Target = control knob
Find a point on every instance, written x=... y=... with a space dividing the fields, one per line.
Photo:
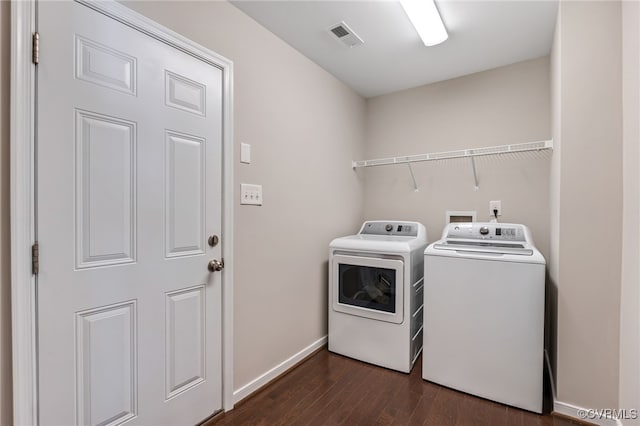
x=484 y=230
x=389 y=228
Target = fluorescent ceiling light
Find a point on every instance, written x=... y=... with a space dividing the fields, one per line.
x=425 y=18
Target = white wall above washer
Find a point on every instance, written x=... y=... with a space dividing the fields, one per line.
x=482 y=35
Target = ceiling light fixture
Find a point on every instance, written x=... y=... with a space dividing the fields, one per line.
x=424 y=16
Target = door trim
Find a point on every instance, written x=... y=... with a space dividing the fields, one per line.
x=23 y=232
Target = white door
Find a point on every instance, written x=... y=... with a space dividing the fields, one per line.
x=129 y=134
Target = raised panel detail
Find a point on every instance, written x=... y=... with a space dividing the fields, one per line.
x=105 y=190
x=185 y=342
x=105 y=66
x=185 y=194
x=106 y=388
x=185 y=94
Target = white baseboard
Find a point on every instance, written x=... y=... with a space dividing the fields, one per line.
x=570 y=410
x=260 y=381
x=575 y=412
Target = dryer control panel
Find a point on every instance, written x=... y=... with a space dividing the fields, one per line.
x=485 y=231
x=404 y=229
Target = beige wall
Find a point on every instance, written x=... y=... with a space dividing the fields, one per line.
x=304 y=127
x=588 y=261
x=5 y=274
x=501 y=106
x=630 y=291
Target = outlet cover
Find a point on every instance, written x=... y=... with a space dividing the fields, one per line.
x=495 y=205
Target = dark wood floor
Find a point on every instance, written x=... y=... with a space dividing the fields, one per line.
x=329 y=389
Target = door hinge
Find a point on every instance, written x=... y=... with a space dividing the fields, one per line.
x=35 y=48
x=35 y=258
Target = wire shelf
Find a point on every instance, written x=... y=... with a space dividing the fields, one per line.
x=461 y=153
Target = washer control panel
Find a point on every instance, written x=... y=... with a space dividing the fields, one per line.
x=485 y=231
x=405 y=229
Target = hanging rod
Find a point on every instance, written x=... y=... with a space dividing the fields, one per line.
x=462 y=153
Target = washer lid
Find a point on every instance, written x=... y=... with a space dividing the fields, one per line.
x=518 y=248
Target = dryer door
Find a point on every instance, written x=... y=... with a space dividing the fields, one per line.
x=368 y=287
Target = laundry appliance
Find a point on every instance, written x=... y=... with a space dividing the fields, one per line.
x=375 y=293
x=484 y=313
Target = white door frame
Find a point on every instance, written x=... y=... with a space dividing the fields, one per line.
x=23 y=231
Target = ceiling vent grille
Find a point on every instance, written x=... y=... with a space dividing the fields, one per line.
x=345 y=34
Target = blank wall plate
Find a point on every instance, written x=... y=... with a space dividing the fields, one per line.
x=245 y=153
x=250 y=194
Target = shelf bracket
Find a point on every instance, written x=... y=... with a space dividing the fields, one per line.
x=415 y=185
x=475 y=173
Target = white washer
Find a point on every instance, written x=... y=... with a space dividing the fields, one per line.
x=375 y=293
x=484 y=313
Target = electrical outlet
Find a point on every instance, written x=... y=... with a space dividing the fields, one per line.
x=495 y=205
x=250 y=194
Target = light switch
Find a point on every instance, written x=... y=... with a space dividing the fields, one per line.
x=245 y=153
x=250 y=194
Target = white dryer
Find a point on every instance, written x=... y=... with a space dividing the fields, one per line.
x=484 y=313
x=375 y=293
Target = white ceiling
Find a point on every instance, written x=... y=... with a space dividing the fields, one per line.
x=482 y=35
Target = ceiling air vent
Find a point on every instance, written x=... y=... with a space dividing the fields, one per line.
x=345 y=34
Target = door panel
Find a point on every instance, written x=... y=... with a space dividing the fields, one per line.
x=128 y=189
x=102 y=65
x=185 y=190
x=185 y=94
x=106 y=365
x=185 y=356
x=105 y=190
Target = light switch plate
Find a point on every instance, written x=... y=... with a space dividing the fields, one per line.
x=250 y=194
x=245 y=153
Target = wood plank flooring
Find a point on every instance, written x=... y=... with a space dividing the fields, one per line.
x=329 y=389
